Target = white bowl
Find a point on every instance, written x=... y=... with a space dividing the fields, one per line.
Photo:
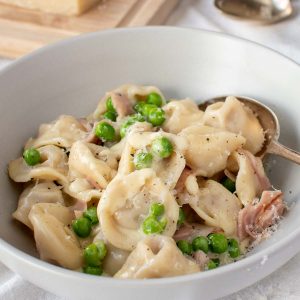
x=69 y=77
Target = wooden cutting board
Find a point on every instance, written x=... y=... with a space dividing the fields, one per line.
x=23 y=30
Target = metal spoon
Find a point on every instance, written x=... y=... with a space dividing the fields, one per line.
x=270 y=125
x=262 y=10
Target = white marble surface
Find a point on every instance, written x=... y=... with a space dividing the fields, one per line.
x=284 y=37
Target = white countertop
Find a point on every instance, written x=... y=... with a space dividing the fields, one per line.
x=283 y=37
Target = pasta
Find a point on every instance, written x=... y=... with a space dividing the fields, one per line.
x=155 y=257
x=125 y=204
x=146 y=188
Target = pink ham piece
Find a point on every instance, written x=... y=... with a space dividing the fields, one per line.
x=180 y=185
x=201 y=259
x=255 y=218
x=189 y=231
x=258 y=169
x=78 y=208
x=122 y=104
x=92 y=138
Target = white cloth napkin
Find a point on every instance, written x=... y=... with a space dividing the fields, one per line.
x=284 y=284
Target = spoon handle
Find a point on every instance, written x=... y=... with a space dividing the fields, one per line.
x=278 y=149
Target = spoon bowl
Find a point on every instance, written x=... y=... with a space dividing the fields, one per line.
x=261 y=10
x=269 y=123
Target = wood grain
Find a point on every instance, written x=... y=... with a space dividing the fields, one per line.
x=23 y=30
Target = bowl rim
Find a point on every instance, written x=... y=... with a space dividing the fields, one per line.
x=244 y=263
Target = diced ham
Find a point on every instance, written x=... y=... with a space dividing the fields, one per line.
x=200 y=258
x=255 y=218
x=78 y=208
x=92 y=138
x=182 y=179
x=189 y=231
x=258 y=169
x=122 y=104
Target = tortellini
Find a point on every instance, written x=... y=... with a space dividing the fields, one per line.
x=251 y=180
x=169 y=169
x=95 y=163
x=234 y=116
x=82 y=190
x=115 y=258
x=62 y=133
x=181 y=114
x=129 y=198
x=54 y=166
x=124 y=98
x=215 y=205
x=44 y=192
x=55 y=241
x=126 y=202
x=118 y=148
x=209 y=148
x=156 y=257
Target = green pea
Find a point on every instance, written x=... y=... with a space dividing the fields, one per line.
x=109 y=105
x=218 y=243
x=156 y=116
x=157 y=209
x=154 y=98
x=91 y=214
x=32 y=156
x=143 y=160
x=125 y=126
x=137 y=117
x=102 y=249
x=181 y=217
x=233 y=248
x=185 y=247
x=151 y=225
x=200 y=243
x=163 y=223
x=110 y=115
x=139 y=106
x=229 y=184
x=216 y=261
x=211 y=265
x=105 y=132
x=162 y=147
x=82 y=227
x=147 y=108
x=95 y=253
x=93 y=270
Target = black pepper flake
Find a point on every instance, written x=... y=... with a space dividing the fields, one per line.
x=290 y=192
x=207 y=139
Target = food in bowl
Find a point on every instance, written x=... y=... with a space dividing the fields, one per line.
x=147 y=188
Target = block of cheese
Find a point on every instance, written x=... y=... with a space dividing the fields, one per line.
x=63 y=7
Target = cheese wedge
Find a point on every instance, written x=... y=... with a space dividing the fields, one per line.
x=63 y=7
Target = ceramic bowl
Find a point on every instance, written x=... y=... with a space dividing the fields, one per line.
x=69 y=77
